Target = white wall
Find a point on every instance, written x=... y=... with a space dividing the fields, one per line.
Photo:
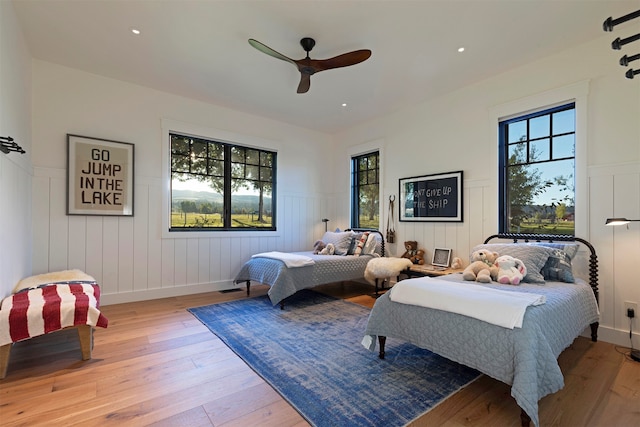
x=15 y=168
x=458 y=132
x=128 y=256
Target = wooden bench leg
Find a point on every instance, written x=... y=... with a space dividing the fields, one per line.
x=5 y=351
x=85 y=333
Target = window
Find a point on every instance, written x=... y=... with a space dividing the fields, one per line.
x=365 y=185
x=537 y=172
x=220 y=186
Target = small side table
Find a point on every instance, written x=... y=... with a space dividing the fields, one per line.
x=429 y=270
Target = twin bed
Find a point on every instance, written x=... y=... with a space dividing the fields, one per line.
x=523 y=356
x=285 y=281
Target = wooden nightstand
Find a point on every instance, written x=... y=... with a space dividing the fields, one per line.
x=429 y=270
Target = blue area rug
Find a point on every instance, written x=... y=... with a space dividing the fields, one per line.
x=310 y=353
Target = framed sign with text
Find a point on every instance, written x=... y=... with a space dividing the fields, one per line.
x=99 y=176
x=435 y=198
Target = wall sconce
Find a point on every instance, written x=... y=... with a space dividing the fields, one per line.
x=325 y=220
x=620 y=221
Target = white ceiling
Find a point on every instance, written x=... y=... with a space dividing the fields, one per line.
x=199 y=49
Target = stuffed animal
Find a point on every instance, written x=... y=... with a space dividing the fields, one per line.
x=411 y=247
x=456 y=263
x=418 y=257
x=318 y=246
x=330 y=249
x=511 y=270
x=482 y=268
x=412 y=253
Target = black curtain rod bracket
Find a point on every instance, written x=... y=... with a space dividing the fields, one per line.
x=7 y=144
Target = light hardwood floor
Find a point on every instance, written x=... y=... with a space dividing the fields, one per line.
x=157 y=365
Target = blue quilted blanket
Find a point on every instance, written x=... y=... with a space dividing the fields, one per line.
x=285 y=281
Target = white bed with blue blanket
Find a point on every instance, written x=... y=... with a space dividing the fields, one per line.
x=306 y=269
x=562 y=308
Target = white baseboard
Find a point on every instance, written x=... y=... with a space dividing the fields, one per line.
x=149 y=294
x=617 y=337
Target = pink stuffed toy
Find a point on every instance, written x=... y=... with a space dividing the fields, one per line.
x=511 y=270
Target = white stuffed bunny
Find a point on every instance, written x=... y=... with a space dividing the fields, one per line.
x=511 y=270
x=328 y=250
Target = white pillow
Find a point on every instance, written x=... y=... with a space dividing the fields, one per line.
x=341 y=241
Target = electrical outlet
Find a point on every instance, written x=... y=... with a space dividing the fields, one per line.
x=631 y=305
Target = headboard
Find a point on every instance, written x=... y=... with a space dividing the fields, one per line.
x=593 y=258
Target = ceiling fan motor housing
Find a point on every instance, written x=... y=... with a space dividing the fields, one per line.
x=307 y=44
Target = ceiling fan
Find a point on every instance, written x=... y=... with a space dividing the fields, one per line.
x=308 y=66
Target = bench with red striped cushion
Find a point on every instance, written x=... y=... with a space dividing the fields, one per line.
x=48 y=308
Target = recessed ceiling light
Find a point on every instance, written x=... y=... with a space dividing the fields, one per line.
x=344 y=104
x=135 y=31
x=460 y=49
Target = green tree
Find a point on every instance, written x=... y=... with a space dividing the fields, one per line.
x=253 y=169
x=206 y=208
x=202 y=160
x=192 y=158
x=561 y=210
x=188 y=206
x=368 y=187
x=525 y=183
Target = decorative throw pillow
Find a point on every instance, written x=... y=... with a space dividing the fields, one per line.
x=352 y=245
x=534 y=257
x=361 y=243
x=370 y=245
x=570 y=249
x=558 y=267
x=341 y=241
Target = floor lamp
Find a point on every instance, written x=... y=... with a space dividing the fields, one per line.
x=635 y=354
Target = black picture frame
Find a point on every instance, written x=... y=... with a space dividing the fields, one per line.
x=431 y=198
x=100 y=176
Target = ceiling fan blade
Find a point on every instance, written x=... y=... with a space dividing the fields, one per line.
x=343 y=60
x=305 y=83
x=266 y=49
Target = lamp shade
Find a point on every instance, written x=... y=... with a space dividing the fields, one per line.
x=619 y=221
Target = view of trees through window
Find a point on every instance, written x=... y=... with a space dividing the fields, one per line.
x=537 y=181
x=217 y=185
x=365 y=185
